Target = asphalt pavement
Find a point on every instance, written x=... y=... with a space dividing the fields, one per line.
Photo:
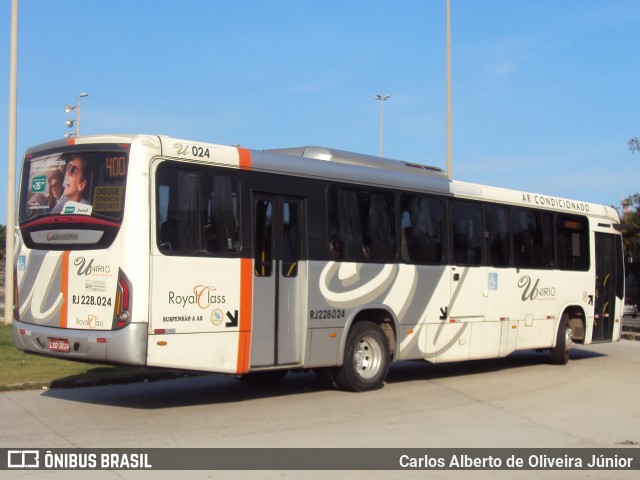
x=517 y=402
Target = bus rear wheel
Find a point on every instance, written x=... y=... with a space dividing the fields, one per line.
x=366 y=359
x=560 y=353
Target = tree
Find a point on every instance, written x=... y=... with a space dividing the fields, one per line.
x=631 y=239
x=3 y=241
x=631 y=234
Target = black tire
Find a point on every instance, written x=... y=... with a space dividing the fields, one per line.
x=366 y=359
x=560 y=353
x=270 y=377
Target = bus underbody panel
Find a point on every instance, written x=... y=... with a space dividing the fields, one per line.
x=127 y=346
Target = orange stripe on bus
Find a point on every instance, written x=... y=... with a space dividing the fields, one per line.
x=246 y=307
x=64 y=285
x=245 y=158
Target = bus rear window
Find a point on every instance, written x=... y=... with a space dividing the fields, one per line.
x=74 y=183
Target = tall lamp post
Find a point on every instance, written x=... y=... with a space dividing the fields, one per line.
x=11 y=166
x=382 y=99
x=74 y=108
x=449 y=173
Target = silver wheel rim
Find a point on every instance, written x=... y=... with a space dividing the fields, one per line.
x=567 y=341
x=367 y=358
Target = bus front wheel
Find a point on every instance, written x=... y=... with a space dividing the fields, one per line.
x=366 y=359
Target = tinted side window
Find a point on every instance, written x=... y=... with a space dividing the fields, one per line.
x=498 y=241
x=196 y=211
x=532 y=239
x=263 y=241
x=361 y=225
x=421 y=229
x=573 y=242
x=466 y=234
x=290 y=240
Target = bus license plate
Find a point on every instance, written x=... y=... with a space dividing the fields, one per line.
x=59 y=345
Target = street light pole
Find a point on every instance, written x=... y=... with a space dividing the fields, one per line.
x=84 y=94
x=11 y=167
x=382 y=98
x=449 y=89
x=74 y=108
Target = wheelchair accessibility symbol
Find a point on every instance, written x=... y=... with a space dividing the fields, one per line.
x=493 y=281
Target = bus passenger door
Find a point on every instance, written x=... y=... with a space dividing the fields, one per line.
x=277 y=332
x=466 y=310
x=608 y=279
x=468 y=275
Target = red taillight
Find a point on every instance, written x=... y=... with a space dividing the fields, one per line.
x=122 y=315
x=125 y=294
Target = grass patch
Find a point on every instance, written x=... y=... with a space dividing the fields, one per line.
x=21 y=371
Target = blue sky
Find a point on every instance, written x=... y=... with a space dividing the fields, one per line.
x=546 y=93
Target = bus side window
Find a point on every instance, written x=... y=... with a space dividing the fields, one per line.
x=572 y=233
x=498 y=244
x=290 y=250
x=221 y=215
x=197 y=211
x=263 y=238
x=532 y=239
x=168 y=236
x=421 y=228
x=523 y=229
x=361 y=225
x=466 y=234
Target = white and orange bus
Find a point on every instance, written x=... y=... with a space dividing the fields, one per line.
x=155 y=251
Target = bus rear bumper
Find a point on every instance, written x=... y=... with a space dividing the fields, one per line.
x=126 y=347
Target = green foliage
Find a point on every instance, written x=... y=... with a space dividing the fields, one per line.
x=3 y=236
x=631 y=225
x=21 y=371
x=631 y=238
